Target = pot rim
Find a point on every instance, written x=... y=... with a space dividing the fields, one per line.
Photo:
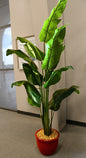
x=43 y=140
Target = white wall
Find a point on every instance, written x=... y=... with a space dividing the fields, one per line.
x=75 y=52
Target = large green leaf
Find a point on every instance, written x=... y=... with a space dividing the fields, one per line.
x=50 y=24
x=54 y=49
x=34 y=97
x=32 y=76
x=22 y=40
x=33 y=93
x=31 y=49
x=32 y=102
x=18 y=83
x=56 y=76
x=52 y=57
x=59 y=95
x=59 y=35
x=22 y=55
x=48 y=30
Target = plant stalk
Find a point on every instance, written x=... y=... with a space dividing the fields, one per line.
x=45 y=108
x=46 y=117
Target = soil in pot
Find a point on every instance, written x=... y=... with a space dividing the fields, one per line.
x=47 y=145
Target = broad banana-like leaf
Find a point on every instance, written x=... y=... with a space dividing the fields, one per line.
x=22 y=40
x=34 y=97
x=59 y=95
x=45 y=35
x=50 y=24
x=52 y=57
x=22 y=55
x=59 y=35
x=33 y=93
x=18 y=83
x=33 y=77
x=54 y=49
x=32 y=102
x=31 y=49
x=56 y=76
x=47 y=75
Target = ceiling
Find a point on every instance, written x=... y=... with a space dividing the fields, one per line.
x=3 y=3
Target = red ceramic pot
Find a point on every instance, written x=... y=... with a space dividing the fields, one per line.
x=47 y=147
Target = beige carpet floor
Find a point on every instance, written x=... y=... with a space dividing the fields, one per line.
x=17 y=138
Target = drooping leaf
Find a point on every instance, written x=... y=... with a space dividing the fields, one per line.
x=50 y=24
x=32 y=102
x=59 y=95
x=18 y=83
x=33 y=93
x=22 y=55
x=19 y=53
x=33 y=77
x=56 y=76
x=22 y=40
x=34 y=97
x=31 y=49
x=54 y=49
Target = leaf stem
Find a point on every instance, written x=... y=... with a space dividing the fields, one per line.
x=46 y=107
x=52 y=114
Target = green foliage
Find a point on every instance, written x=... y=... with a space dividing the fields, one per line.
x=34 y=97
x=33 y=77
x=56 y=76
x=54 y=49
x=34 y=94
x=50 y=24
x=31 y=49
x=52 y=37
x=59 y=95
x=22 y=55
x=18 y=83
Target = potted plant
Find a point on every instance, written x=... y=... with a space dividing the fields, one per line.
x=52 y=38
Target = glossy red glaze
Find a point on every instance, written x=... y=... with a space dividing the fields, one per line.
x=47 y=147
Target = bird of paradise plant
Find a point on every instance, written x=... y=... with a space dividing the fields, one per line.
x=52 y=37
